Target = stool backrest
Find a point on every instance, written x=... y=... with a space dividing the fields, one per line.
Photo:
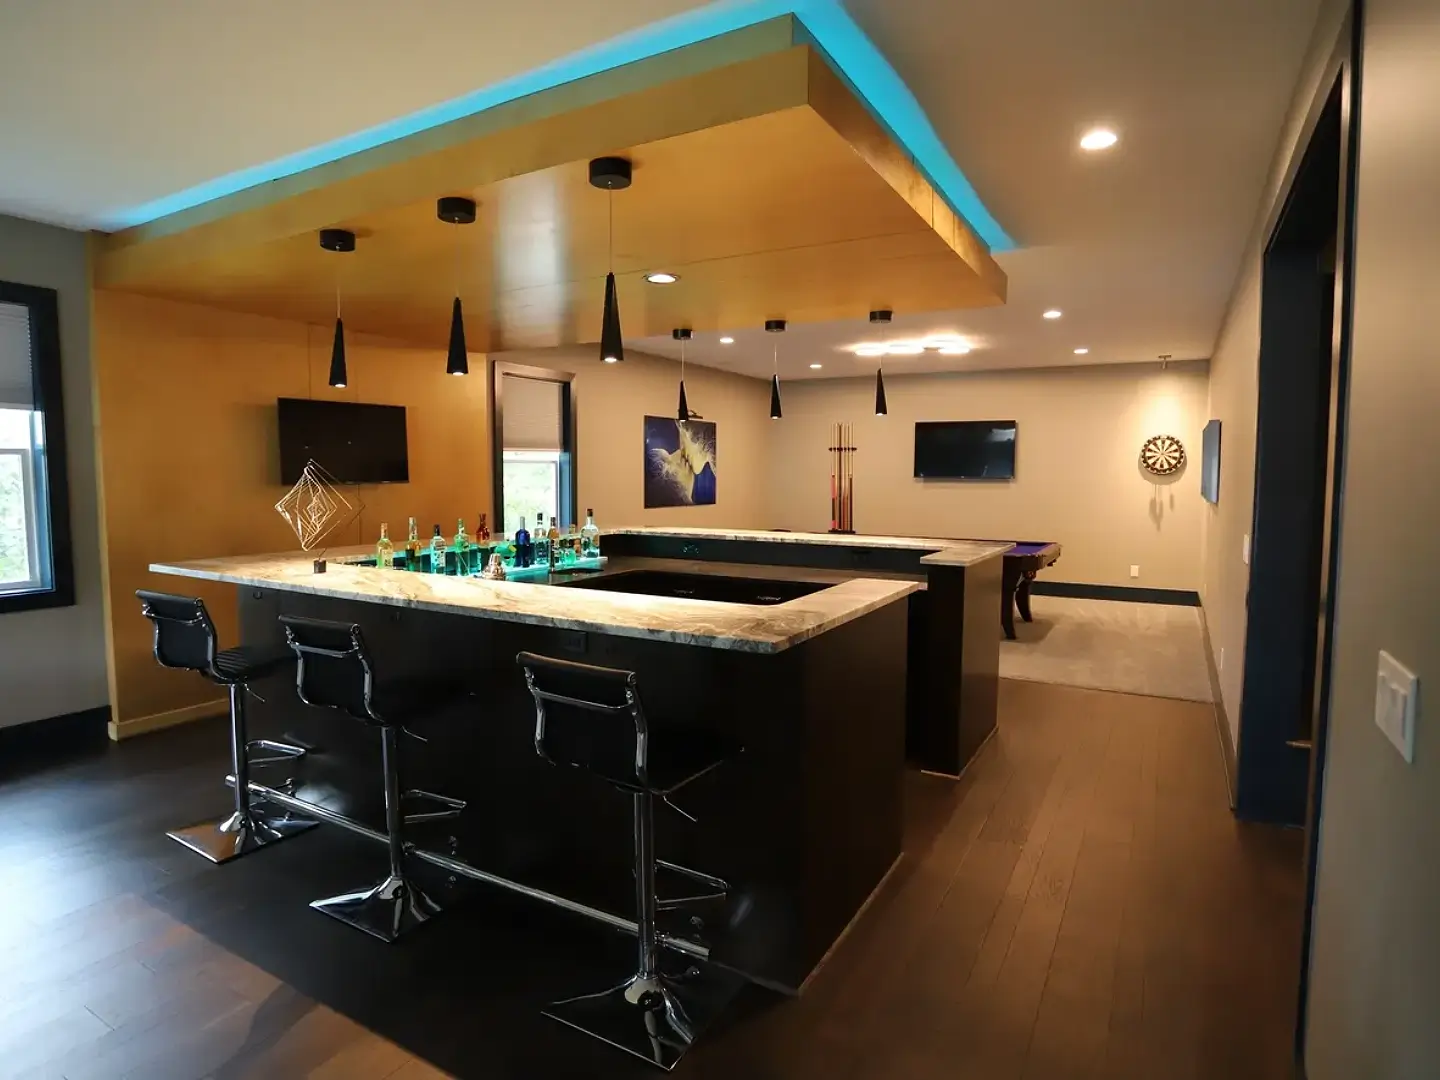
x=184 y=634
x=586 y=715
x=334 y=670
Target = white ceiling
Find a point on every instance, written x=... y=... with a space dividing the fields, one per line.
x=106 y=107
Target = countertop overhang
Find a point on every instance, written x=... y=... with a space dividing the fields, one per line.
x=742 y=627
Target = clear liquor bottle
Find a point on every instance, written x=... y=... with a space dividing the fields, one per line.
x=462 y=549
x=590 y=537
x=412 y=547
x=542 y=541
x=385 y=550
x=437 y=552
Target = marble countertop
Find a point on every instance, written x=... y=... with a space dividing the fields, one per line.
x=942 y=552
x=744 y=627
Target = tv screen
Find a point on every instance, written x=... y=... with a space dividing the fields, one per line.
x=356 y=444
x=1210 y=463
x=965 y=450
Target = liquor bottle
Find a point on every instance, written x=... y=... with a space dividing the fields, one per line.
x=541 y=539
x=523 y=552
x=437 y=552
x=385 y=550
x=590 y=537
x=412 y=547
x=462 y=549
x=482 y=531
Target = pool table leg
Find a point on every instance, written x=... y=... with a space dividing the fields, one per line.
x=1009 y=584
x=1022 y=596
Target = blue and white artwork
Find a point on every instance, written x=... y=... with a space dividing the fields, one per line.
x=679 y=462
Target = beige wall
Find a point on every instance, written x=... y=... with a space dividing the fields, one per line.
x=1225 y=579
x=613 y=399
x=1375 y=960
x=1078 y=479
x=190 y=463
x=52 y=662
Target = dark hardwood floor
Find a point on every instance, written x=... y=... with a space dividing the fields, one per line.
x=1081 y=904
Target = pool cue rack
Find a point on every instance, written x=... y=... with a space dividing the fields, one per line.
x=842 y=479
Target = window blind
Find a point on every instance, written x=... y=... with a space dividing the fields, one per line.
x=17 y=383
x=531 y=414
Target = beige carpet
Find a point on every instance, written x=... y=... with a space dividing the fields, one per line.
x=1153 y=649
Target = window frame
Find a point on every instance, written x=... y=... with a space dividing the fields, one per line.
x=568 y=487
x=47 y=480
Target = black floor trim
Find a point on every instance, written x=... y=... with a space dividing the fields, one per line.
x=1134 y=594
x=71 y=733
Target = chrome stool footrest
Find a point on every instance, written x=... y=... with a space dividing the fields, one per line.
x=452 y=807
x=277 y=751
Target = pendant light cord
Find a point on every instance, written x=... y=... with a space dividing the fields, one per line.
x=610 y=242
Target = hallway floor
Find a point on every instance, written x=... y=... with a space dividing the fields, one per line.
x=1081 y=904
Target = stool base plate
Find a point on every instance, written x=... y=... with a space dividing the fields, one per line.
x=221 y=841
x=386 y=911
x=656 y=1019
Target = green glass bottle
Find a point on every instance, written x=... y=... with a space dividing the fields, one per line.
x=590 y=537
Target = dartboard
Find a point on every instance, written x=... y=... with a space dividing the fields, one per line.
x=1162 y=455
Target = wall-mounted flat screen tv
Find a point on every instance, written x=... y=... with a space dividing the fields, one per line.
x=1210 y=462
x=354 y=443
x=965 y=450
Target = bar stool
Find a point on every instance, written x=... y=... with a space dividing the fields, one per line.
x=185 y=639
x=591 y=718
x=335 y=671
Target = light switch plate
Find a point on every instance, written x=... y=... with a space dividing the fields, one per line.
x=1245 y=550
x=1397 y=703
x=1134 y=570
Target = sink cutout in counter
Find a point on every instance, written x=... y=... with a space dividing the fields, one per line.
x=713 y=587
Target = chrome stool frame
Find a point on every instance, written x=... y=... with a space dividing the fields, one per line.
x=328 y=653
x=655 y=1014
x=185 y=639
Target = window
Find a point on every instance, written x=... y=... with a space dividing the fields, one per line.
x=35 y=564
x=534 y=446
x=532 y=484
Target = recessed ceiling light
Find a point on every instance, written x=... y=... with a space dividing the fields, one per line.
x=870 y=350
x=1053 y=313
x=1081 y=352
x=727 y=341
x=816 y=367
x=904 y=348
x=955 y=350
x=1098 y=139
x=660 y=277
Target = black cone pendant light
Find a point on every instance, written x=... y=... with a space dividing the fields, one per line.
x=682 y=335
x=611 y=174
x=880 y=318
x=457 y=210
x=339 y=240
x=775 y=326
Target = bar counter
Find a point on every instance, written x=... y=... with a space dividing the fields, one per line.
x=805 y=824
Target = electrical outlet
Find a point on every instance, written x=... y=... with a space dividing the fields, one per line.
x=1397 y=699
x=1245 y=550
x=1134 y=570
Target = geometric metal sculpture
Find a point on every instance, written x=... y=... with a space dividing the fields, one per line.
x=314 y=507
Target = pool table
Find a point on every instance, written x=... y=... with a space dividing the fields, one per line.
x=1026 y=559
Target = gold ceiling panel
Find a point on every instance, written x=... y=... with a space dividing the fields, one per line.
x=758 y=178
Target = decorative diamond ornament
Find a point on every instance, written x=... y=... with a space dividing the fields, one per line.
x=314 y=507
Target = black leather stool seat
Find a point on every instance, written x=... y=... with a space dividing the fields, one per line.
x=247 y=662
x=677 y=756
x=401 y=701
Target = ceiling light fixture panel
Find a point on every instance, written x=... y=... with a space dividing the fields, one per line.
x=1053 y=313
x=662 y=277
x=1099 y=138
